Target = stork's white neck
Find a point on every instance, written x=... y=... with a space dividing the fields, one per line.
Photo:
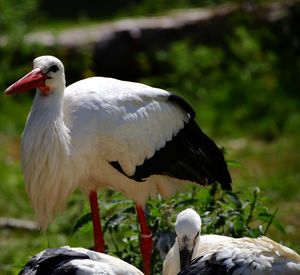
x=46 y=123
x=47 y=106
x=45 y=149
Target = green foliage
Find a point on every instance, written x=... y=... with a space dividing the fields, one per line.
x=237 y=85
x=14 y=15
x=13 y=24
x=247 y=80
x=226 y=213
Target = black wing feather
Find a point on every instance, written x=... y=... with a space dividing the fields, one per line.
x=210 y=266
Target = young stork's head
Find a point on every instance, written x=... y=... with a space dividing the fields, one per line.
x=188 y=228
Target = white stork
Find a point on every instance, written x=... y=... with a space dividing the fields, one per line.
x=103 y=132
x=194 y=254
x=76 y=261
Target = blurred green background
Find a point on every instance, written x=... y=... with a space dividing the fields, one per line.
x=240 y=75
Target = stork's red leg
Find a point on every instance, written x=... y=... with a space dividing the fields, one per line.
x=99 y=245
x=146 y=243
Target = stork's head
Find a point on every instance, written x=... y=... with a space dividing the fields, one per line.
x=188 y=228
x=47 y=76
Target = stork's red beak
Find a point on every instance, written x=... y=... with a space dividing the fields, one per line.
x=33 y=79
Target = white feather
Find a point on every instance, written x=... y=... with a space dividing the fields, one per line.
x=72 y=134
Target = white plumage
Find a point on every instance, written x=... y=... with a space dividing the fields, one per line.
x=216 y=254
x=72 y=134
x=77 y=261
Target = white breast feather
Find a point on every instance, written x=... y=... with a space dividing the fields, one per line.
x=44 y=152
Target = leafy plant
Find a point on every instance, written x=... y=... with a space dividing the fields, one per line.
x=226 y=213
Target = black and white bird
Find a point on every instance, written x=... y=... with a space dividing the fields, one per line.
x=103 y=132
x=194 y=253
x=76 y=261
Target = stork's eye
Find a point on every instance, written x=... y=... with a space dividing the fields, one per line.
x=53 y=68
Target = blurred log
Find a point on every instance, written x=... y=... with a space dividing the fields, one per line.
x=13 y=223
x=138 y=29
x=144 y=29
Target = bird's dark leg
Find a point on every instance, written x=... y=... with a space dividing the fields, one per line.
x=99 y=245
x=146 y=243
